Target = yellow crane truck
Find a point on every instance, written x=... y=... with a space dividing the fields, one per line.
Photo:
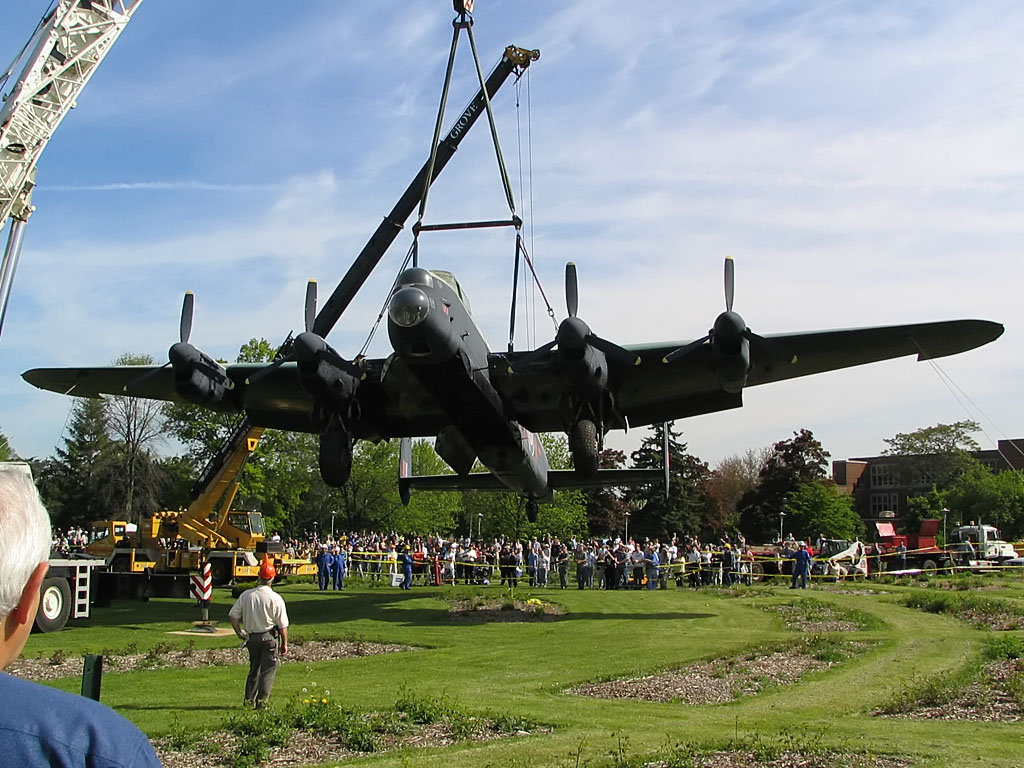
x=209 y=531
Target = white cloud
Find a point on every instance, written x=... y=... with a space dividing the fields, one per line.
x=861 y=162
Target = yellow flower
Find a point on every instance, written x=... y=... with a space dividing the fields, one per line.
x=324 y=701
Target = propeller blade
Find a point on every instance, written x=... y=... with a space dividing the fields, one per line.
x=774 y=350
x=571 y=293
x=185 y=328
x=310 y=304
x=675 y=354
x=730 y=282
x=146 y=376
x=531 y=357
x=614 y=351
x=271 y=367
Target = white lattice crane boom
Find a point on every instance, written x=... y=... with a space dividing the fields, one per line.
x=62 y=54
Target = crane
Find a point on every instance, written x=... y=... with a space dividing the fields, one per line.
x=62 y=54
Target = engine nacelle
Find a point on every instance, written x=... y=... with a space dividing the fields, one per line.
x=200 y=379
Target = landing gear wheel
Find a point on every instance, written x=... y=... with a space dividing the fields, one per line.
x=531 y=511
x=54 y=605
x=583 y=444
x=335 y=457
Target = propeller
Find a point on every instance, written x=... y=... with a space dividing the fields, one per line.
x=184 y=331
x=573 y=334
x=730 y=330
x=307 y=345
x=185 y=327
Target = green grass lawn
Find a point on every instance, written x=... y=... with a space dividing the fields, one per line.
x=522 y=669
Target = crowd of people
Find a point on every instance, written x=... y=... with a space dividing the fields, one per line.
x=592 y=563
x=541 y=561
x=64 y=542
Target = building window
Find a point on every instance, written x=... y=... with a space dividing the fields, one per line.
x=924 y=478
x=882 y=502
x=883 y=475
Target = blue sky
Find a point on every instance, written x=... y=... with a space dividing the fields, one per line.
x=863 y=162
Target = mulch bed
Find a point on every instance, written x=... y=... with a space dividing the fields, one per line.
x=986 y=700
x=749 y=759
x=310 y=748
x=483 y=610
x=824 y=618
x=57 y=666
x=717 y=681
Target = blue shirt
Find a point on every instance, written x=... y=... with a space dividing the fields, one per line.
x=41 y=726
x=803 y=560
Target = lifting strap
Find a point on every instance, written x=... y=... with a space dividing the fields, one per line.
x=463 y=22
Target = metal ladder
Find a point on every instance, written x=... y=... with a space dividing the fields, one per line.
x=80 y=608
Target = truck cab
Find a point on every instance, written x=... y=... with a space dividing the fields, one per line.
x=980 y=542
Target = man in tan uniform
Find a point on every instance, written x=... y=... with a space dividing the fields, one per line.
x=262 y=613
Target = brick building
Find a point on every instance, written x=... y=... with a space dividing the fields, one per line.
x=880 y=493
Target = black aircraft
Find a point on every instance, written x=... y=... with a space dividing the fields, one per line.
x=443 y=381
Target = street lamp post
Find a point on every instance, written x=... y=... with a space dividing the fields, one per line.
x=333 y=513
x=479 y=525
x=782 y=515
x=626 y=537
x=945 y=512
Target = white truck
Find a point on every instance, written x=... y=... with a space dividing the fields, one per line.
x=978 y=545
x=67 y=590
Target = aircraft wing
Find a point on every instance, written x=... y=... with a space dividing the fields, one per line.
x=110 y=380
x=820 y=351
x=275 y=400
x=396 y=405
x=654 y=391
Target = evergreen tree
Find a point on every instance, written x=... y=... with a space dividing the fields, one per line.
x=689 y=507
x=78 y=486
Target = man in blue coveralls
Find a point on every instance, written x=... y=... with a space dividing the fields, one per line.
x=324 y=562
x=405 y=560
x=801 y=565
x=339 y=567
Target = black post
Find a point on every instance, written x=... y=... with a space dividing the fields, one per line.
x=92 y=676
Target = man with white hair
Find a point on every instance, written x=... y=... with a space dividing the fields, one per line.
x=41 y=725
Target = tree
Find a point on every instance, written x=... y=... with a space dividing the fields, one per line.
x=689 y=508
x=801 y=459
x=733 y=477
x=427 y=512
x=818 y=508
x=992 y=499
x=139 y=425
x=6 y=451
x=934 y=455
x=606 y=507
x=78 y=485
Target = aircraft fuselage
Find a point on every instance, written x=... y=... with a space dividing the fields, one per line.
x=432 y=330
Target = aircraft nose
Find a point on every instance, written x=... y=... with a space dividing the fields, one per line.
x=409 y=307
